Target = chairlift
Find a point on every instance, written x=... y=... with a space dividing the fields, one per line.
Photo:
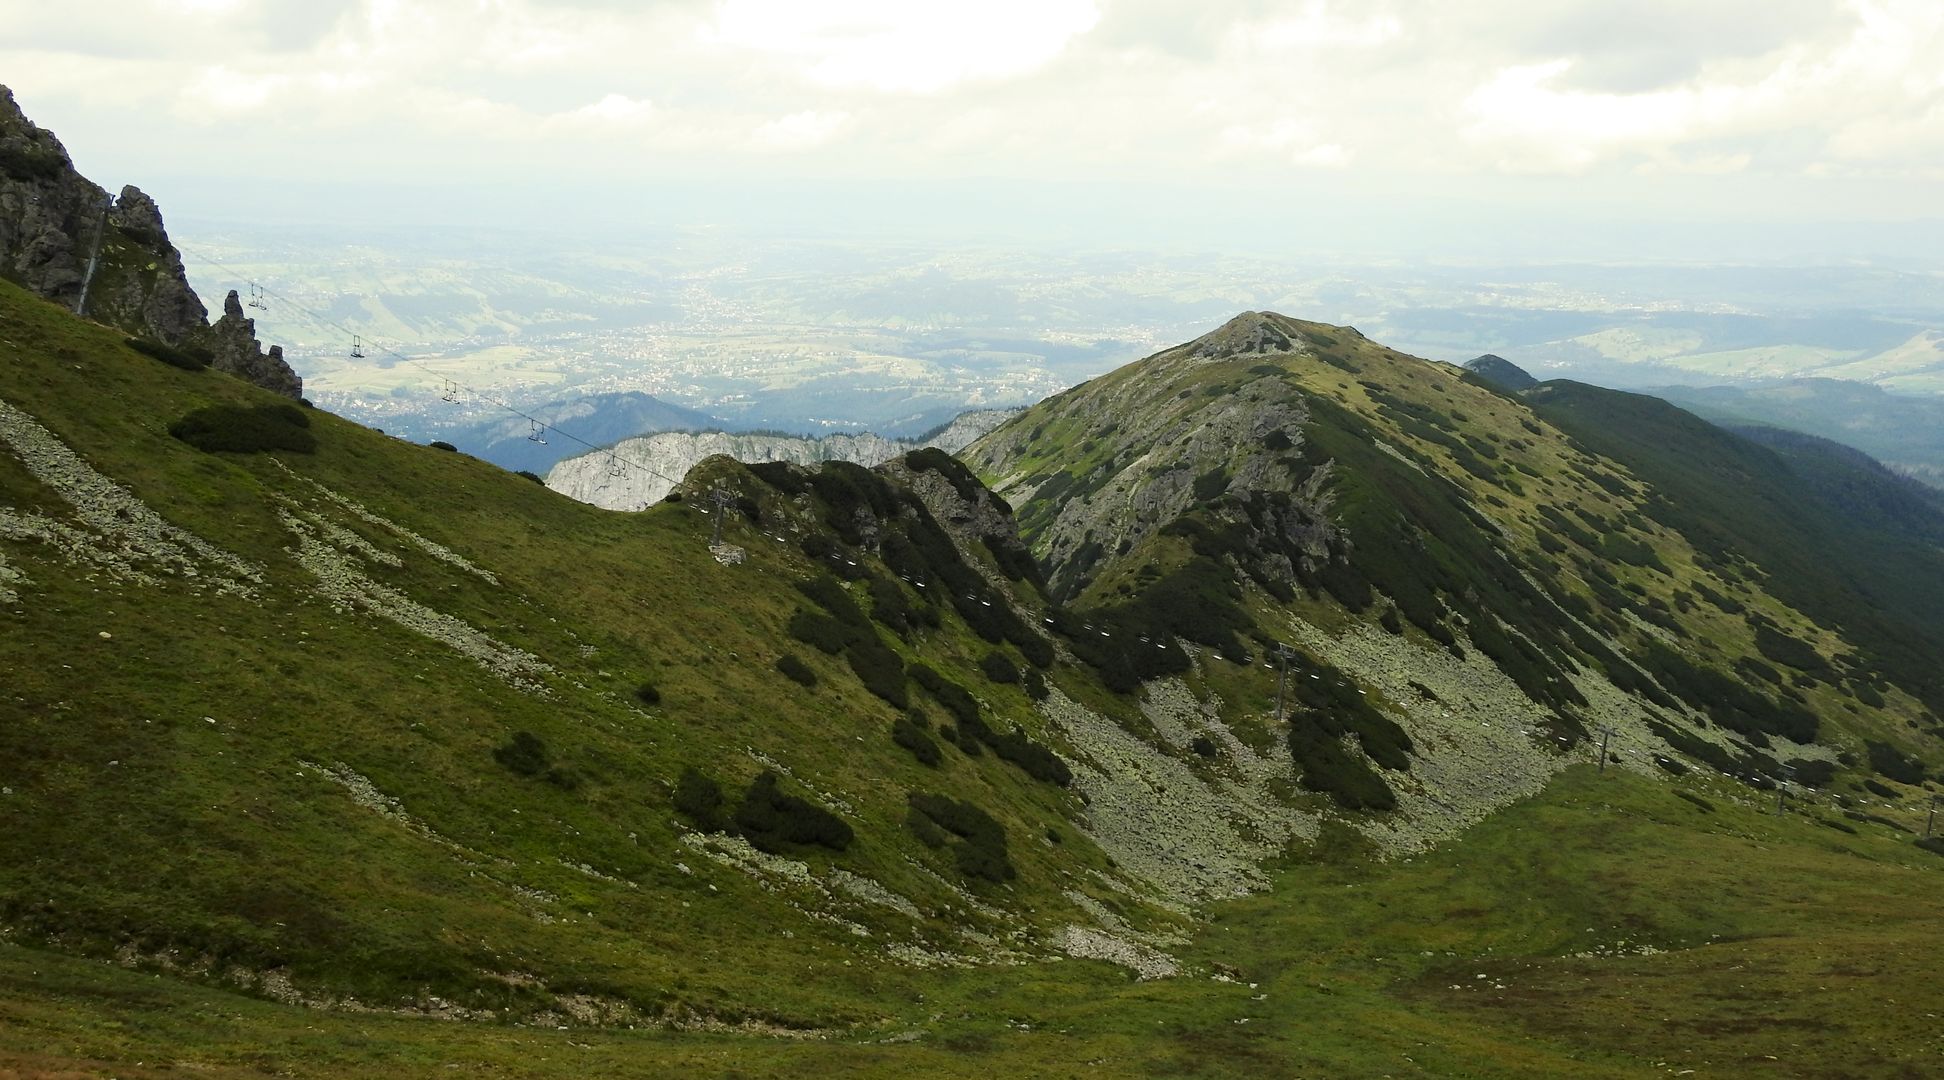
x=615 y=467
x=256 y=297
x=357 y=347
x=539 y=433
x=450 y=391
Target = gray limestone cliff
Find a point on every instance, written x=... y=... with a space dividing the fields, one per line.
x=62 y=237
x=652 y=465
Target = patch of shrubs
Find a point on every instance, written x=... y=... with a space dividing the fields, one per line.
x=825 y=633
x=909 y=731
x=1203 y=746
x=1035 y=684
x=771 y=820
x=441 y=444
x=1813 y=773
x=1784 y=649
x=526 y=755
x=533 y=476
x=648 y=694
x=187 y=357
x=1014 y=747
x=998 y=668
x=1328 y=767
x=881 y=670
x=796 y=670
x=980 y=847
x=246 y=429
x=1890 y=762
x=699 y=799
x=1932 y=844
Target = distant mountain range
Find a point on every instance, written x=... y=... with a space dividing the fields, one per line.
x=598 y=419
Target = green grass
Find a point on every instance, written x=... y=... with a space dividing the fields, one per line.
x=1621 y=931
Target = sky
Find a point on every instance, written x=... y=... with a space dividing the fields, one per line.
x=1733 y=129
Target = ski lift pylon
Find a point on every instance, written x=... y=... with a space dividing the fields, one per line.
x=357 y=347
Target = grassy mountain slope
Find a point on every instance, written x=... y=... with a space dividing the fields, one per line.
x=1623 y=565
x=273 y=729
x=307 y=753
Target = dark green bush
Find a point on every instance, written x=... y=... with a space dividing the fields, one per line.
x=927 y=830
x=1035 y=684
x=770 y=819
x=1813 y=773
x=1328 y=767
x=998 y=668
x=1932 y=844
x=699 y=799
x=246 y=429
x=825 y=633
x=188 y=357
x=980 y=851
x=796 y=670
x=1890 y=762
x=441 y=444
x=648 y=694
x=908 y=733
x=1034 y=759
x=525 y=754
x=1203 y=746
x=881 y=669
x=533 y=476
x=1885 y=790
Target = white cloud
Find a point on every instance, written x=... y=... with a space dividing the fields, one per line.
x=902 y=46
x=799 y=131
x=1413 y=94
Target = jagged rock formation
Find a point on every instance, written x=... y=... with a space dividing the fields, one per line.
x=233 y=341
x=655 y=464
x=63 y=238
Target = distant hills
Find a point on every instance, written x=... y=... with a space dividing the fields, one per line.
x=599 y=419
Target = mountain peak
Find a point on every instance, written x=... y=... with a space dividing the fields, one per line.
x=1249 y=332
x=1501 y=372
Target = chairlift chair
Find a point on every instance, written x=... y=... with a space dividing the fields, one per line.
x=357 y=347
x=539 y=433
x=256 y=297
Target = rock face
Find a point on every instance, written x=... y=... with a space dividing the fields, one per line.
x=233 y=341
x=63 y=238
x=652 y=466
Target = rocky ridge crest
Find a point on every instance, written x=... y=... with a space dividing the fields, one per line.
x=64 y=238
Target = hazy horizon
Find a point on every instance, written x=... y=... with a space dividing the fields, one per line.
x=1807 y=130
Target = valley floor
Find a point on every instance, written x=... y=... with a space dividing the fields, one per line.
x=1614 y=925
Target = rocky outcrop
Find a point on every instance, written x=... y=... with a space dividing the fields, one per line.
x=235 y=349
x=64 y=238
x=648 y=468
x=49 y=214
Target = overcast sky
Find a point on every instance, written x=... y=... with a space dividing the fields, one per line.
x=1758 y=126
